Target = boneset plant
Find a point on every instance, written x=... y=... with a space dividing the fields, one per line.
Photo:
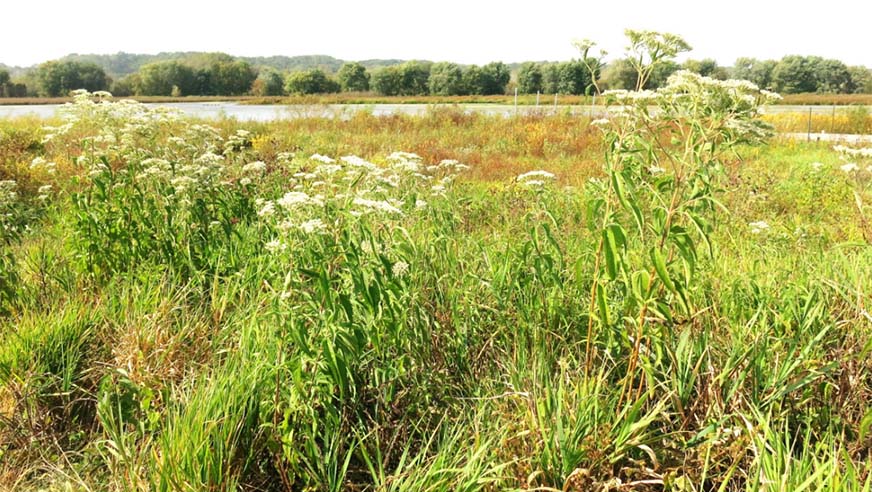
x=653 y=211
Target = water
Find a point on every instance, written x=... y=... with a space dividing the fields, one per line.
x=270 y=112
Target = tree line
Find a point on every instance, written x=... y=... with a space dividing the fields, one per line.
x=222 y=75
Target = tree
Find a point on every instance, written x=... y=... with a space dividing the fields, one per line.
x=756 y=71
x=387 y=81
x=832 y=76
x=269 y=82
x=551 y=78
x=4 y=83
x=861 y=79
x=229 y=78
x=487 y=80
x=160 y=78
x=126 y=86
x=497 y=76
x=353 y=77
x=707 y=67
x=795 y=74
x=415 y=77
x=59 y=78
x=620 y=74
x=530 y=78
x=661 y=74
x=313 y=81
x=573 y=78
x=446 y=79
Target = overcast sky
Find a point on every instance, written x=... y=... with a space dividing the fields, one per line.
x=465 y=31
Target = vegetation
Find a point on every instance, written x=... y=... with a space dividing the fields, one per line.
x=187 y=74
x=657 y=301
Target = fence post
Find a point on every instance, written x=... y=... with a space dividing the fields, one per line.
x=537 y=99
x=516 y=99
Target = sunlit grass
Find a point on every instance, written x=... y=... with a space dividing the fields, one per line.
x=267 y=319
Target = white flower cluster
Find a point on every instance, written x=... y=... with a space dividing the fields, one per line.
x=857 y=155
x=322 y=185
x=758 y=227
x=536 y=179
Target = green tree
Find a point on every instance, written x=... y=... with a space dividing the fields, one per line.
x=59 y=78
x=353 y=77
x=229 y=78
x=757 y=71
x=415 y=77
x=530 y=78
x=313 y=81
x=706 y=67
x=861 y=79
x=387 y=81
x=4 y=83
x=487 y=80
x=661 y=74
x=446 y=79
x=160 y=78
x=497 y=76
x=795 y=74
x=573 y=78
x=551 y=78
x=832 y=76
x=620 y=74
x=126 y=86
x=269 y=82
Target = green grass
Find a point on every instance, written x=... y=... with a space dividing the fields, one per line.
x=155 y=339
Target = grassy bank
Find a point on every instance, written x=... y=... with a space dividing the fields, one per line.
x=231 y=306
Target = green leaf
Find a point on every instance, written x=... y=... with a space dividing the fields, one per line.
x=660 y=268
x=602 y=304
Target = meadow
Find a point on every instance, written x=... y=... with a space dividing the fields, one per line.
x=673 y=300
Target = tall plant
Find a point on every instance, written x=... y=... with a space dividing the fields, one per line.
x=653 y=211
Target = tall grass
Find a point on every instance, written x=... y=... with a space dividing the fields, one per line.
x=270 y=319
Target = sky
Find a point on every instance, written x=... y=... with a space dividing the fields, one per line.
x=463 y=31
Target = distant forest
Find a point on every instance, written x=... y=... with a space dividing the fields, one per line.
x=197 y=73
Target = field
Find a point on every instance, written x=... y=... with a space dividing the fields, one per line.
x=437 y=303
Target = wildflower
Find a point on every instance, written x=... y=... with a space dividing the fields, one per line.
x=400 y=268
x=275 y=246
x=354 y=161
x=267 y=209
x=254 y=167
x=314 y=225
x=758 y=227
x=244 y=181
x=329 y=169
x=322 y=158
x=292 y=199
x=377 y=205
x=419 y=204
x=600 y=122
x=656 y=170
x=849 y=167
x=404 y=156
x=44 y=189
x=816 y=165
x=533 y=183
x=539 y=175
